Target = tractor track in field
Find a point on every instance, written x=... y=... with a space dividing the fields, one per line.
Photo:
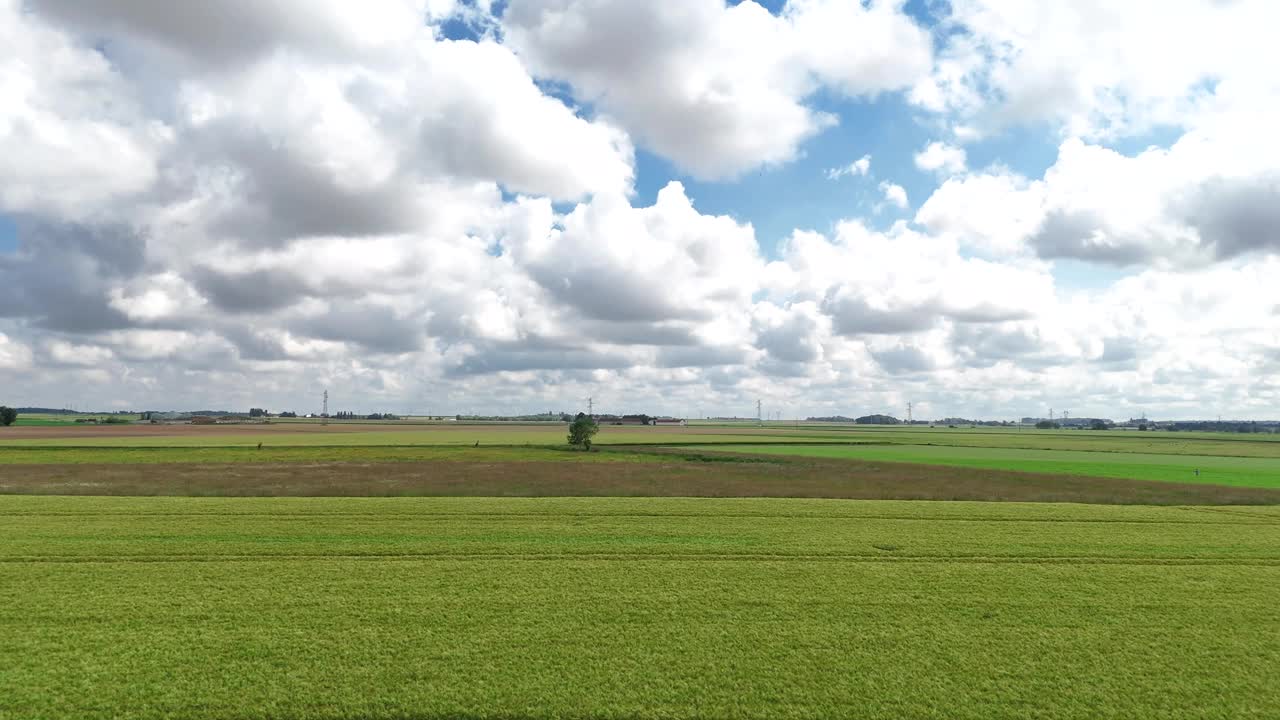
x=1242 y=518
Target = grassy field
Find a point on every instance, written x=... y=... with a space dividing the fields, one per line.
x=381 y=434
x=1215 y=470
x=633 y=608
x=481 y=571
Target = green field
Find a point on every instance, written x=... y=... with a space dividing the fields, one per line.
x=1214 y=470
x=609 y=590
x=634 y=608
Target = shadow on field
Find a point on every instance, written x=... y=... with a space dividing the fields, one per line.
x=672 y=474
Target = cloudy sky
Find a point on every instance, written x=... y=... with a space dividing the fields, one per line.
x=983 y=207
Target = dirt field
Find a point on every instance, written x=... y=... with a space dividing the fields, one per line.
x=684 y=478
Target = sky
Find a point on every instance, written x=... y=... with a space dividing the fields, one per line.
x=985 y=208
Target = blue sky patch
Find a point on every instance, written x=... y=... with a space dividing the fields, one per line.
x=8 y=235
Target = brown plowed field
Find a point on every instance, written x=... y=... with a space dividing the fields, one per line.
x=806 y=479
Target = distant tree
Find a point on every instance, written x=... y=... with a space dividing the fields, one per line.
x=7 y=415
x=878 y=420
x=1142 y=427
x=581 y=430
x=257 y=412
x=1098 y=425
x=1047 y=425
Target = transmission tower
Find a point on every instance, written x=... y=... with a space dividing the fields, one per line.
x=759 y=415
x=908 y=413
x=324 y=412
x=591 y=407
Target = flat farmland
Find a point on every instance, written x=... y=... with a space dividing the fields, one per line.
x=1263 y=472
x=1251 y=461
x=292 y=434
x=541 y=472
x=634 y=608
x=393 y=434
x=483 y=571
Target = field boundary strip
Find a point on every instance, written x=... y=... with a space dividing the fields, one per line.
x=710 y=449
x=1243 y=518
x=603 y=447
x=1272 y=519
x=1158 y=436
x=606 y=446
x=883 y=557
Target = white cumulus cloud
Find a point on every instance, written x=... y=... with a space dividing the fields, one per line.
x=859 y=167
x=941 y=157
x=895 y=194
x=719 y=89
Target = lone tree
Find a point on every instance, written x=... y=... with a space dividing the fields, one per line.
x=7 y=415
x=581 y=430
